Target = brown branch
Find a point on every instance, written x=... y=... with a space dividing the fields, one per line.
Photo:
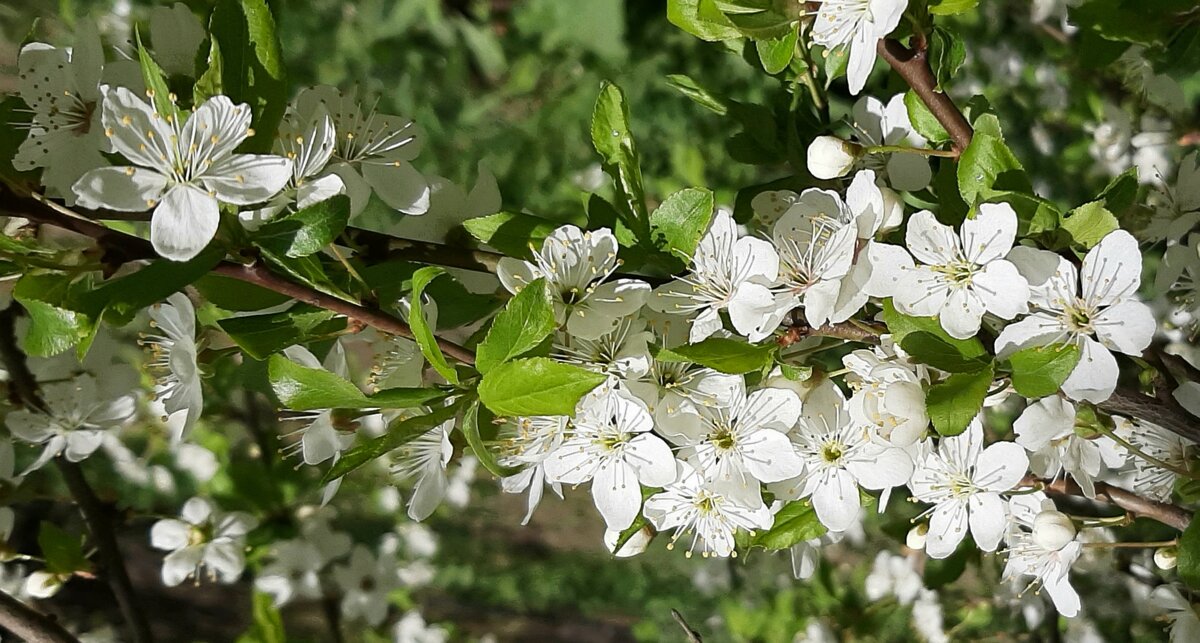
x=797 y=329
x=96 y=514
x=1166 y=413
x=1167 y=514
x=29 y=624
x=120 y=247
x=913 y=67
x=692 y=635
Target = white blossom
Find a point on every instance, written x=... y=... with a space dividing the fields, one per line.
x=173 y=360
x=182 y=170
x=77 y=413
x=1095 y=308
x=964 y=480
x=575 y=265
x=1180 y=613
x=203 y=536
x=877 y=124
x=527 y=442
x=1045 y=550
x=961 y=275
x=710 y=509
x=829 y=157
x=365 y=582
x=610 y=444
x=857 y=24
x=1047 y=430
x=727 y=273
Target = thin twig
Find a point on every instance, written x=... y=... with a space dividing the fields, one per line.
x=1167 y=514
x=29 y=624
x=692 y=635
x=95 y=513
x=120 y=248
x=913 y=67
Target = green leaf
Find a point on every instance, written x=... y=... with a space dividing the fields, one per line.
x=923 y=120
x=470 y=427
x=422 y=333
x=156 y=82
x=309 y=230
x=403 y=397
x=536 y=386
x=252 y=69
x=1040 y=370
x=953 y=403
x=982 y=164
x=1121 y=193
x=268 y=623
x=730 y=356
x=209 y=83
x=947 y=53
x=399 y=433
x=943 y=352
x=685 y=14
x=119 y=300
x=262 y=335
x=698 y=94
x=776 y=54
x=613 y=140
x=1089 y=223
x=228 y=293
x=54 y=326
x=522 y=325
x=679 y=222
x=62 y=551
x=1034 y=214
x=758 y=19
x=951 y=7
x=512 y=233
x=901 y=326
x=795 y=523
x=301 y=388
x=1189 y=555
x=836 y=62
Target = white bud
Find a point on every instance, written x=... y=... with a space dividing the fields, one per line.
x=916 y=536
x=893 y=209
x=1166 y=557
x=829 y=157
x=1053 y=530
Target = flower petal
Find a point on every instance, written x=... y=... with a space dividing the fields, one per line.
x=1127 y=327
x=1112 y=270
x=128 y=189
x=183 y=223
x=988 y=520
x=399 y=185
x=1002 y=289
x=1095 y=376
x=990 y=235
x=929 y=240
x=947 y=527
x=243 y=179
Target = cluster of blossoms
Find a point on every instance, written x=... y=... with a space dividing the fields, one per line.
x=677 y=436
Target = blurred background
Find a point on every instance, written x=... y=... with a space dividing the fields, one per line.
x=509 y=85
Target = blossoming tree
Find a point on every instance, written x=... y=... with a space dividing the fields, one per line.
x=900 y=322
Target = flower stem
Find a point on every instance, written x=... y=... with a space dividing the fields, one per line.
x=1177 y=470
x=1134 y=545
x=923 y=151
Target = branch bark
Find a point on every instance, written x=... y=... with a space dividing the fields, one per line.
x=1167 y=514
x=913 y=67
x=96 y=514
x=29 y=624
x=1165 y=413
x=120 y=247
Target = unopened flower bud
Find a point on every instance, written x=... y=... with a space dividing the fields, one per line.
x=1166 y=557
x=829 y=157
x=916 y=536
x=1053 y=530
x=634 y=546
x=893 y=209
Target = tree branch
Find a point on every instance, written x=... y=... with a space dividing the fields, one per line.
x=29 y=624
x=798 y=329
x=121 y=248
x=913 y=67
x=97 y=515
x=1161 y=412
x=1167 y=514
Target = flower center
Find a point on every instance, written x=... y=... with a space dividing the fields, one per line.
x=832 y=452
x=199 y=534
x=958 y=273
x=723 y=438
x=1079 y=317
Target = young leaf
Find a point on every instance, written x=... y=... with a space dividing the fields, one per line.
x=523 y=324
x=262 y=335
x=923 y=120
x=251 y=65
x=679 y=222
x=901 y=325
x=512 y=233
x=685 y=14
x=301 y=388
x=536 y=386
x=776 y=54
x=795 y=523
x=952 y=404
x=613 y=140
x=156 y=82
x=1089 y=223
x=120 y=299
x=268 y=623
x=1040 y=370
x=940 y=352
x=946 y=54
x=309 y=230
x=470 y=427
x=985 y=160
x=1189 y=554
x=699 y=95
x=730 y=356
x=62 y=551
x=422 y=333
x=55 y=324
x=399 y=433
